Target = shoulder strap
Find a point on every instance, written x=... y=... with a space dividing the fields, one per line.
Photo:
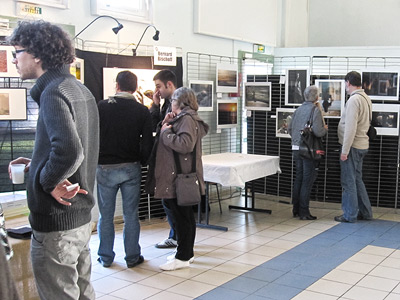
x=176 y=156
x=370 y=112
x=178 y=163
x=310 y=119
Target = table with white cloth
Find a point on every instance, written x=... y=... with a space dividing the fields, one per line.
x=237 y=169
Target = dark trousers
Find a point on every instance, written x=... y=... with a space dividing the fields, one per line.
x=185 y=226
x=305 y=176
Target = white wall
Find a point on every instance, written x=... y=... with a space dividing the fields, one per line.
x=174 y=19
x=295 y=23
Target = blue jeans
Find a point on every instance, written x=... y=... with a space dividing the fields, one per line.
x=305 y=176
x=171 y=221
x=111 y=178
x=354 y=195
x=61 y=264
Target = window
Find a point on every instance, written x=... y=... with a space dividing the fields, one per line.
x=131 y=10
x=54 y=3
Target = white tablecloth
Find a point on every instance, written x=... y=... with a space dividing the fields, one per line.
x=235 y=169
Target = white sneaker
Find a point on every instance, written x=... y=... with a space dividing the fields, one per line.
x=174 y=264
x=172 y=256
x=167 y=243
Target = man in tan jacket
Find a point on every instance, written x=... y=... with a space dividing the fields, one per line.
x=352 y=133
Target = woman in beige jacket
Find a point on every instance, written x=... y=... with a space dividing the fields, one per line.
x=181 y=131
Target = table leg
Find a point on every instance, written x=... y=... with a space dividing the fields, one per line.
x=206 y=224
x=252 y=208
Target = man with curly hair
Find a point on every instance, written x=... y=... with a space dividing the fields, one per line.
x=65 y=152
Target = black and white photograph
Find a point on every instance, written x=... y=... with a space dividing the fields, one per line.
x=227 y=113
x=204 y=91
x=257 y=95
x=13 y=104
x=227 y=78
x=381 y=84
x=385 y=119
x=296 y=83
x=331 y=96
x=283 y=119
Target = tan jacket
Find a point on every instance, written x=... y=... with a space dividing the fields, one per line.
x=186 y=132
x=355 y=121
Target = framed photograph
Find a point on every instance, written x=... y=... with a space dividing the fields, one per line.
x=77 y=68
x=227 y=78
x=257 y=95
x=13 y=104
x=283 y=119
x=7 y=68
x=145 y=83
x=296 y=83
x=204 y=91
x=331 y=96
x=385 y=118
x=227 y=113
x=381 y=84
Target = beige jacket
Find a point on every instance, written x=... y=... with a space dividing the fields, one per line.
x=186 y=132
x=355 y=121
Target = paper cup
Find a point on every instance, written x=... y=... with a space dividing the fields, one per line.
x=17 y=173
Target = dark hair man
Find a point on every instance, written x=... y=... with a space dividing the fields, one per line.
x=352 y=133
x=126 y=140
x=165 y=82
x=65 y=152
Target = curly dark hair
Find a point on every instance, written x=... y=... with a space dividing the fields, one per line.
x=45 y=41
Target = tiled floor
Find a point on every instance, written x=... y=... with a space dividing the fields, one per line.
x=265 y=257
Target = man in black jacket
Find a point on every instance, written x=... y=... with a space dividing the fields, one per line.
x=126 y=141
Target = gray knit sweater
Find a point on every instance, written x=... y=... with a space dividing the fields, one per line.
x=66 y=147
x=300 y=118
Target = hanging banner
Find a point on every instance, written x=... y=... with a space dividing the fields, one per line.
x=164 y=56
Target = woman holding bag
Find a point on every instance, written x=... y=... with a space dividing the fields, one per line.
x=306 y=169
x=181 y=132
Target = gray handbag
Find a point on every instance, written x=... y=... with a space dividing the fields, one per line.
x=187 y=186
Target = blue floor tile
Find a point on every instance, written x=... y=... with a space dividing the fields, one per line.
x=220 y=293
x=286 y=275
x=296 y=281
x=278 y=292
x=264 y=274
x=245 y=284
x=281 y=264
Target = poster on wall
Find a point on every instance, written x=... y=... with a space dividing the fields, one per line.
x=227 y=113
x=257 y=95
x=227 y=78
x=7 y=68
x=145 y=83
x=13 y=104
x=385 y=118
x=296 y=82
x=283 y=119
x=331 y=96
x=77 y=68
x=381 y=84
x=204 y=91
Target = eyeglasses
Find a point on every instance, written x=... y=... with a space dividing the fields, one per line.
x=14 y=53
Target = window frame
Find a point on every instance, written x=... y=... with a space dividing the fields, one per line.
x=99 y=7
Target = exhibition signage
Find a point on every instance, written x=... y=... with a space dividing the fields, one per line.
x=164 y=56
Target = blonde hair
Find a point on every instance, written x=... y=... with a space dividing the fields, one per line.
x=185 y=97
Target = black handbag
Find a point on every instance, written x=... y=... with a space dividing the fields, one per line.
x=187 y=186
x=371 y=130
x=311 y=146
